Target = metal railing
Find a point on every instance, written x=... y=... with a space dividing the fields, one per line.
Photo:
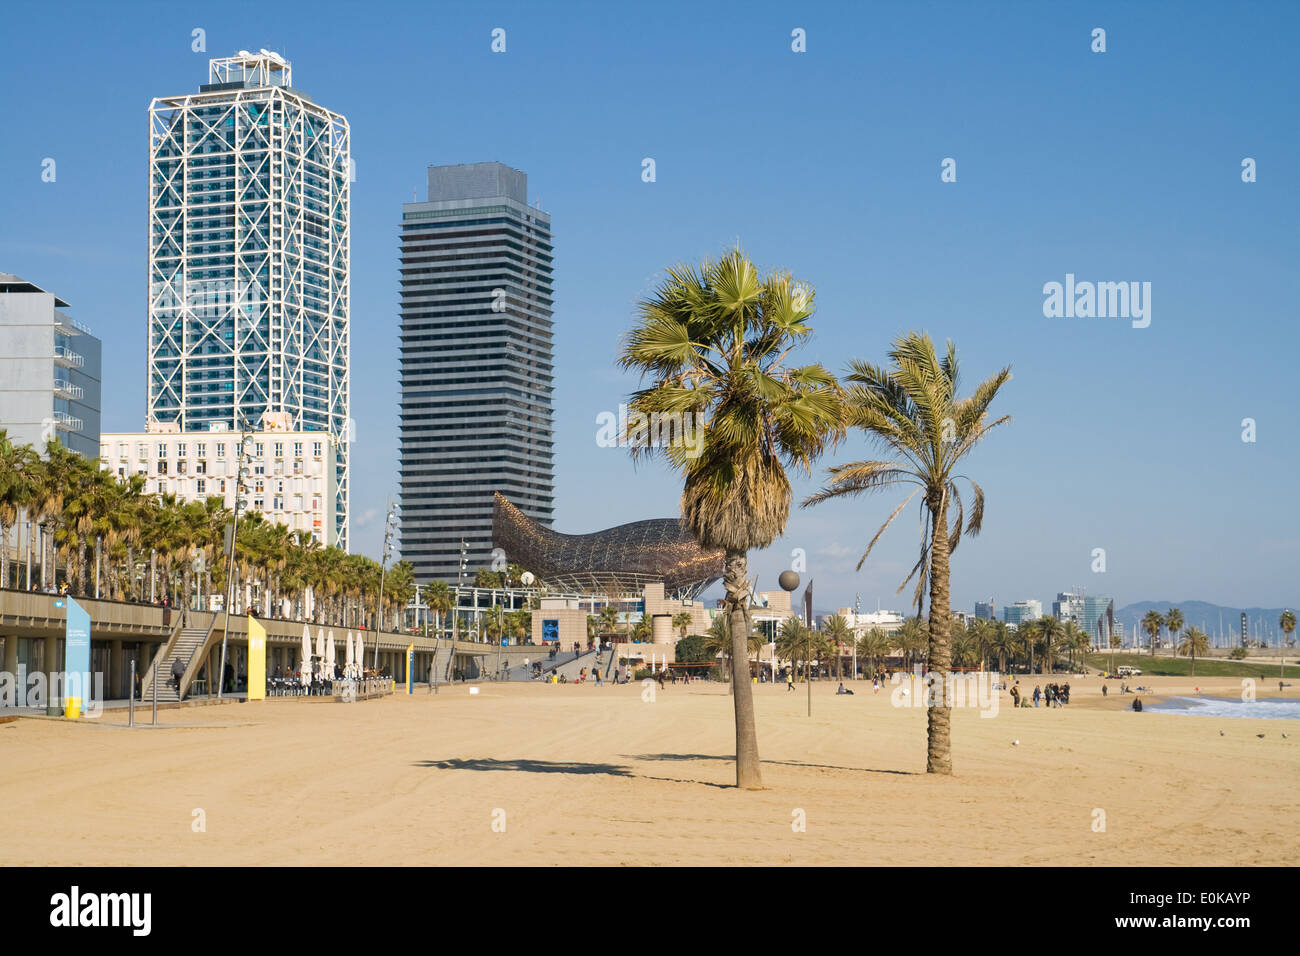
x=64 y=354
x=68 y=390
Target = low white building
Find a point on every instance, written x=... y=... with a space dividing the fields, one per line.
x=291 y=477
x=888 y=621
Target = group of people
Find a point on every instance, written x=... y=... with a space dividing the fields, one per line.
x=1055 y=695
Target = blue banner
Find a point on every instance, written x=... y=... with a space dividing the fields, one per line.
x=76 y=660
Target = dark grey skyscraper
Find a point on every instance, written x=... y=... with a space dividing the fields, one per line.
x=476 y=370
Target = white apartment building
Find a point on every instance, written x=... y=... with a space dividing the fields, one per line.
x=292 y=474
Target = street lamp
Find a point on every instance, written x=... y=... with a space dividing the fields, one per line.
x=383 y=569
x=241 y=486
x=789 y=580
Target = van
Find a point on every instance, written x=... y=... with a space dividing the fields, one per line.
x=1124 y=670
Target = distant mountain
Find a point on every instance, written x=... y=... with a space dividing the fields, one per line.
x=1260 y=621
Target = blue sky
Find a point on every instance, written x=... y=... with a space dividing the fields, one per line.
x=1115 y=166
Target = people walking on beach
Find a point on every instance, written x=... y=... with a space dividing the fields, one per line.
x=1065 y=693
x=1037 y=694
x=789 y=679
x=1103 y=690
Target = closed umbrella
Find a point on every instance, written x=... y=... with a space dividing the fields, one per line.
x=320 y=652
x=305 y=669
x=361 y=658
x=329 y=656
x=352 y=656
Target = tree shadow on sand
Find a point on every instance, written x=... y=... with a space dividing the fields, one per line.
x=784 y=763
x=556 y=766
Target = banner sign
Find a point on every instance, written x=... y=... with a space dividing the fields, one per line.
x=256 y=660
x=76 y=660
x=410 y=668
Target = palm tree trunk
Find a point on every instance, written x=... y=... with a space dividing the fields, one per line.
x=748 y=773
x=938 y=758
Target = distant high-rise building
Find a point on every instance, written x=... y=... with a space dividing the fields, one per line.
x=1093 y=615
x=249 y=259
x=49 y=371
x=1022 y=611
x=984 y=610
x=476 y=364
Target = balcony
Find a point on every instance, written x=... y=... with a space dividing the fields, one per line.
x=66 y=357
x=67 y=422
x=67 y=390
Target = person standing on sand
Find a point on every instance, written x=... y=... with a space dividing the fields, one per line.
x=1037 y=694
x=1137 y=704
x=789 y=679
x=1103 y=690
x=1015 y=694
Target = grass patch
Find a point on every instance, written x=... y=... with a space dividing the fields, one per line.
x=1205 y=666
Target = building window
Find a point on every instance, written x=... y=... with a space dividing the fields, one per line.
x=122 y=449
x=221 y=449
x=315 y=448
x=277 y=503
x=180 y=449
x=201 y=449
x=162 y=450
x=180 y=468
x=142 y=451
x=162 y=467
x=258 y=449
x=297 y=449
x=279 y=449
x=200 y=467
x=201 y=486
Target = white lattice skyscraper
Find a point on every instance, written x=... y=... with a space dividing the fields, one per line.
x=249 y=258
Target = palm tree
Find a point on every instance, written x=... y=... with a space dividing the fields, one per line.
x=836 y=630
x=1002 y=642
x=19 y=474
x=1193 y=643
x=1152 y=622
x=717 y=639
x=912 y=639
x=681 y=621
x=714 y=341
x=1050 y=633
x=912 y=410
x=794 y=643
x=1287 y=623
x=874 y=645
x=1174 y=622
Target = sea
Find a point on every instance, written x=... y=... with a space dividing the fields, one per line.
x=1276 y=709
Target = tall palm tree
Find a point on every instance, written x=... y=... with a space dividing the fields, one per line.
x=1174 y=622
x=874 y=645
x=1152 y=622
x=1192 y=644
x=1002 y=642
x=682 y=621
x=1287 y=623
x=1050 y=634
x=913 y=411
x=714 y=342
x=19 y=474
x=836 y=629
x=794 y=642
x=913 y=639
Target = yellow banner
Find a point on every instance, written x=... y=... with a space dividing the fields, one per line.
x=256 y=660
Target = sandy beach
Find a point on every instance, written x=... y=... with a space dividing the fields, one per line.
x=577 y=774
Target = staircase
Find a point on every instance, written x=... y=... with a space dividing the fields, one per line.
x=189 y=642
x=524 y=672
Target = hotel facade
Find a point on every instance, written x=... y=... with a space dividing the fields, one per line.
x=248 y=270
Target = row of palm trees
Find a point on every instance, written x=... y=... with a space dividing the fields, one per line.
x=155 y=548
x=715 y=342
